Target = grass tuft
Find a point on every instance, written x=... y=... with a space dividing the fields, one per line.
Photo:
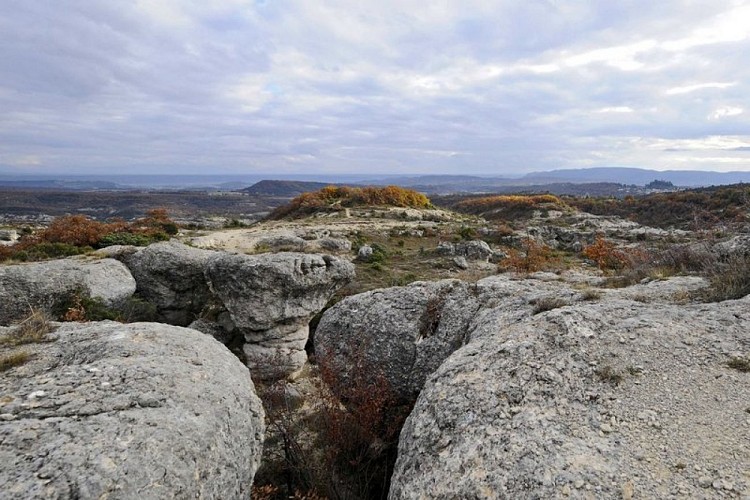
x=13 y=359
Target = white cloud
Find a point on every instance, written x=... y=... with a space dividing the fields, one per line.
x=686 y=89
x=725 y=112
x=616 y=109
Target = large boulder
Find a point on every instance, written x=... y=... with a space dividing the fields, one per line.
x=170 y=276
x=143 y=410
x=47 y=285
x=609 y=399
x=270 y=299
x=400 y=335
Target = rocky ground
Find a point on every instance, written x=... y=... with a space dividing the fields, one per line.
x=537 y=369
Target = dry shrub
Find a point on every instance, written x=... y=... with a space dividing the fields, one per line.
x=362 y=427
x=340 y=444
x=532 y=257
x=606 y=255
x=548 y=303
x=510 y=206
x=338 y=197
x=31 y=330
x=729 y=278
x=76 y=234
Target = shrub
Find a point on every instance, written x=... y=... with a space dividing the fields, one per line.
x=729 y=278
x=608 y=374
x=606 y=255
x=531 y=258
x=77 y=234
x=135 y=239
x=739 y=364
x=510 y=206
x=339 y=197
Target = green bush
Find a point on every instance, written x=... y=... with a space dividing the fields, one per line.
x=138 y=240
x=41 y=251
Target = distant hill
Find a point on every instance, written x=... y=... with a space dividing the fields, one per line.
x=288 y=189
x=638 y=176
x=449 y=184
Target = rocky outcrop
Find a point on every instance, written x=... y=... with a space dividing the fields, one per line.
x=143 y=410
x=270 y=299
x=263 y=301
x=608 y=399
x=470 y=250
x=170 y=276
x=47 y=285
x=403 y=334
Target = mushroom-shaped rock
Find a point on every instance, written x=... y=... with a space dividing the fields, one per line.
x=270 y=300
x=145 y=410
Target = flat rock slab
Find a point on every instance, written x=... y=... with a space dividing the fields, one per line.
x=143 y=410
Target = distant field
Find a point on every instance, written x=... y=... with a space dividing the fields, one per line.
x=131 y=204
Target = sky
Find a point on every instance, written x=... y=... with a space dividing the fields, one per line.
x=384 y=86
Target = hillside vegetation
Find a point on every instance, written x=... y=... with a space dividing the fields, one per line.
x=690 y=209
x=339 y=197
x=510 y=206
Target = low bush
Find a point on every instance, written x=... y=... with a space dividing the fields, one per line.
x=77 y=234
x=531 y=257
x=31 y=330
x=548 y=303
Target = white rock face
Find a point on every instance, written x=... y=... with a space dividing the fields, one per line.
x=143 y=410
x=614 y=399
x=270 y=300
x=44 y=285
x=265 y=301
x=534 y=388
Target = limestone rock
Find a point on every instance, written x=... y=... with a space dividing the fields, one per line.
x=170 y=275
x=143 y=410
x=270 y=300
x=605 y=398
x=364 y=253
x=473 y=250
x=401 y=333
x=45 y=285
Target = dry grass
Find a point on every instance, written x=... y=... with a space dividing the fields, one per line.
x=739 y=364
x=13 y=359
x=32 y=330
x=548 y=303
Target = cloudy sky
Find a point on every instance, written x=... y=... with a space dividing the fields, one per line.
x=382 y=86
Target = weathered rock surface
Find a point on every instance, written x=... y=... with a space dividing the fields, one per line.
x=267 y=300
x=611 y=399
x=404 y=333
x=270 y=300
x=143 y=410
x=44 y=285
x=170 y=275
